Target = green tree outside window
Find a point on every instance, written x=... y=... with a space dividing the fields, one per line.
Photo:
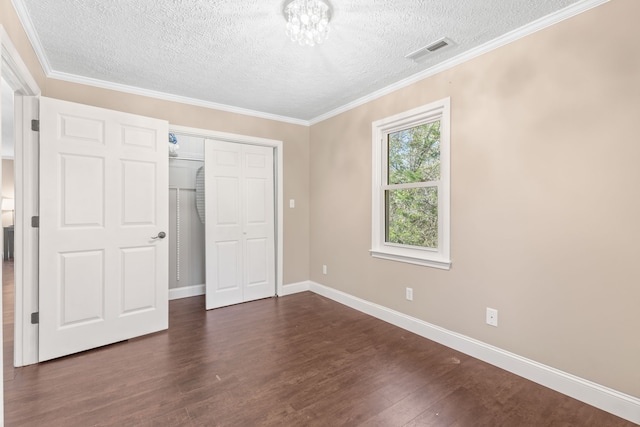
x=411 y=197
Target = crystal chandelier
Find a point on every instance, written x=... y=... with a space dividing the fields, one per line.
x=307 y=21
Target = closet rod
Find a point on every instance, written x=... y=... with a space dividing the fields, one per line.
x=189 y=159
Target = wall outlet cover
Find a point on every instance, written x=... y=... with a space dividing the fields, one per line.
x=492 y=317
x=409 y=294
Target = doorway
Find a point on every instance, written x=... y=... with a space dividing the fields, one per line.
x=7 y=206
x=186 y=217
x=25 y=108
x=276 y=147
x=25 y=89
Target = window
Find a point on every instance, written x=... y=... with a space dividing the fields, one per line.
x=410 y=203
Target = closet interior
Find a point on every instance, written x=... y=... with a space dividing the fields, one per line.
x=186 y=216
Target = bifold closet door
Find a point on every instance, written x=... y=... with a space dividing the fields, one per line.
x=240 y=227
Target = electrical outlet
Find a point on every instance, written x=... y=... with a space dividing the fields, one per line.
x=409 y=294
x=492 y=316
x=324 y=269
x=292 y=203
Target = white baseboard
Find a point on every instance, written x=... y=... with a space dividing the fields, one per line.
x=294 y=288
x=186 y=292
x=615 y=402
x=195 y=290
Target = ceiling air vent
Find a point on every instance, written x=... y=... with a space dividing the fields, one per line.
x=419 y=54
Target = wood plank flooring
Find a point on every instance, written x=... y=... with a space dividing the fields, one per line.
x=300 y=360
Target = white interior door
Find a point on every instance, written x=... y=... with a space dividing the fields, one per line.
x=103 y=206
x=240 y=227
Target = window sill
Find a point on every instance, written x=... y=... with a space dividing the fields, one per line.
x=423 y=261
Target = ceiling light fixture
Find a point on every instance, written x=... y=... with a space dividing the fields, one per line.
x=307 y=21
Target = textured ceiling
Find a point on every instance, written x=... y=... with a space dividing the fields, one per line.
x=235 y=52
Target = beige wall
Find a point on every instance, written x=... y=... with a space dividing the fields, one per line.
x=545 y=207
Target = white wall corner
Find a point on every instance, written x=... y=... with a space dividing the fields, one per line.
x=294 y=288
x=612 y=401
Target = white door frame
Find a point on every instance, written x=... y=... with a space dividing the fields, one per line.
x=278 y=156
x=17 y=75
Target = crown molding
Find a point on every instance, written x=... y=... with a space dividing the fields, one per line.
x=540 y=24
x=73 y=78
x=509 y=37
x=32 y=35
x=14 y=70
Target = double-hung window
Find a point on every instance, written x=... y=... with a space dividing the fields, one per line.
x=410 y=199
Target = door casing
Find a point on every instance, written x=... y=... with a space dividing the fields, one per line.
x=17 y=75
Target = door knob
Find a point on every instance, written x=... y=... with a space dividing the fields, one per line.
x=161 y=235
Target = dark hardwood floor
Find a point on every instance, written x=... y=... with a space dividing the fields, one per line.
x=300 y=360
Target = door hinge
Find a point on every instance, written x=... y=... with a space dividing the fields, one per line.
x=35 y=221
x=35 y=125
x=35 y=318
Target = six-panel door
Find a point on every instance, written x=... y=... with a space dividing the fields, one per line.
x=103 y=199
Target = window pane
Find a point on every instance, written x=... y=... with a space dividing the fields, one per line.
x=412 y=217
x=414 y=154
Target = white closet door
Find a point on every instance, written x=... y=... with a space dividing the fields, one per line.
x=240 y=239
x=103 y=205
x=259 y=225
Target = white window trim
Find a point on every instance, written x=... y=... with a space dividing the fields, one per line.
x=437 y=258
